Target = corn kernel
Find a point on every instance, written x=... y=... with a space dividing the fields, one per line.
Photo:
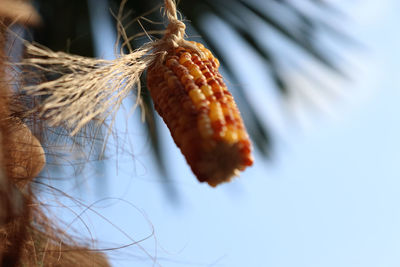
x=196 y=96
x=172 y=81
x=196 y=73
x=207 y=91
x=231 y=136
x=204 y=126
x=216 y=112
x=184 y=58
x=186 y=78
x=171 y=62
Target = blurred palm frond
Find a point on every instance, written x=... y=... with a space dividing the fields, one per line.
x=67 y=27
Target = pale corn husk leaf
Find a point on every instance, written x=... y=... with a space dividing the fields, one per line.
x=86 y=88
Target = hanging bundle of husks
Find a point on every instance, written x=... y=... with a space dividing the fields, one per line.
x=184 y=82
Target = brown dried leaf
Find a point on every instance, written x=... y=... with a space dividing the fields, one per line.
x=26 y=158
x=19 y=11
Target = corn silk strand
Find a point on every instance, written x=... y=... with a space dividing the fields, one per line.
x=88 y=88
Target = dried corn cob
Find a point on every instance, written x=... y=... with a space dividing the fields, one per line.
x=190 y=95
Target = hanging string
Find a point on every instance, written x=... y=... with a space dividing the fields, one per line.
x=175 y=33
x=176 y=28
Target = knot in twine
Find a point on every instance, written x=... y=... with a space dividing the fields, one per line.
x=175 y=33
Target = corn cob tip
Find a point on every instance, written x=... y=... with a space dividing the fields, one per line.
x=190 y=95
x=221 y=164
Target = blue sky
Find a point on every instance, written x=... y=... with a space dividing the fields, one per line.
x=329 y=198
